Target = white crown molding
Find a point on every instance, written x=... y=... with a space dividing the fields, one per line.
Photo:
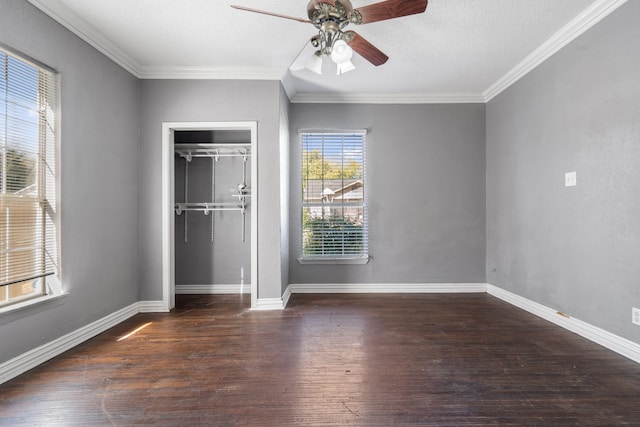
x=212 y=289
x=212 y=73
x=388 y=288
x=67 y=18
x=606 y=339
x=288 y=85
x=392 y=98
x=584 y=21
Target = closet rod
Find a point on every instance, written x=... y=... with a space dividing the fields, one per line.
x=179 y=211
x=209 y=147
x=210 y=154
x=207 y=207
x=212 y=144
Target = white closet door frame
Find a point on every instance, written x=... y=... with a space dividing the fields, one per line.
x=168 y=203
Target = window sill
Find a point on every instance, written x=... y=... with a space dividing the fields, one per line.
x=14 y=311
x=333 y=261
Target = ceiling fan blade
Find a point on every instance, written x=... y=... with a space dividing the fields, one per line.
x=391 y=9
x=248 y=9
x=365 y=49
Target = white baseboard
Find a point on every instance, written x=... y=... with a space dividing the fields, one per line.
x=387 y=288
x=286 y=296
x=213 y=289
x=152 y=307
x=29 y=360
x=606 y=339
x=265 y=304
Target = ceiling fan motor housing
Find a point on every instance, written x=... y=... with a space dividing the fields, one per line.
x=330 y=17
x=339 y=11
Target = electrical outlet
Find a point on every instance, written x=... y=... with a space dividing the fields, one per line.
x=570 y=179
x=635 y=315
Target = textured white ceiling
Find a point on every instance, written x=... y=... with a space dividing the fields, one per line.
x=457 y=48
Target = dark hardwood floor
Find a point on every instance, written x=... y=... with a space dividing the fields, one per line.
x=331 y=360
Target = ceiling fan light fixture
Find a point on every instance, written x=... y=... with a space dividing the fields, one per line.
x=331 y=17
x=315 y=63
x=345 y=67
x=341 y=52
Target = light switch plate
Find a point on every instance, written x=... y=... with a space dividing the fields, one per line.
x=570 y=179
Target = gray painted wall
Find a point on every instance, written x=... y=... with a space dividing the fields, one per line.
x=285 y=170
x=426 y=192
x=209 y=101
x=574 y=249
x=98 y=164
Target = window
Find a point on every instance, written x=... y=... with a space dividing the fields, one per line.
x=28 y=237
x=334 y=213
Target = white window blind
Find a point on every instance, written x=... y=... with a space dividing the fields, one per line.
x=334 y=214
x=28 y=238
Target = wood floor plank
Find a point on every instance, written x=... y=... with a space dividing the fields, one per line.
x=331 y=360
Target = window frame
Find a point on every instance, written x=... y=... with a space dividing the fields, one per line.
x=363 y=257
x=47 y=180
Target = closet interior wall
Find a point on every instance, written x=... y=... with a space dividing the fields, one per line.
x=209 y=247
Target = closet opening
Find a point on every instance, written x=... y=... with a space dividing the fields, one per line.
x=210 y=209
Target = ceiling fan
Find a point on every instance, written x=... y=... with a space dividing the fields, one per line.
x=330 y=17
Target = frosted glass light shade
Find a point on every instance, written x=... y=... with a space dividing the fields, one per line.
x=341 y=52
x=345 y=67
x=315 y=63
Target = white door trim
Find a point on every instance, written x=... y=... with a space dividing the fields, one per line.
x=168 y=203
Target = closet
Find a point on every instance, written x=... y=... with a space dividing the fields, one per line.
x=212 y=210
